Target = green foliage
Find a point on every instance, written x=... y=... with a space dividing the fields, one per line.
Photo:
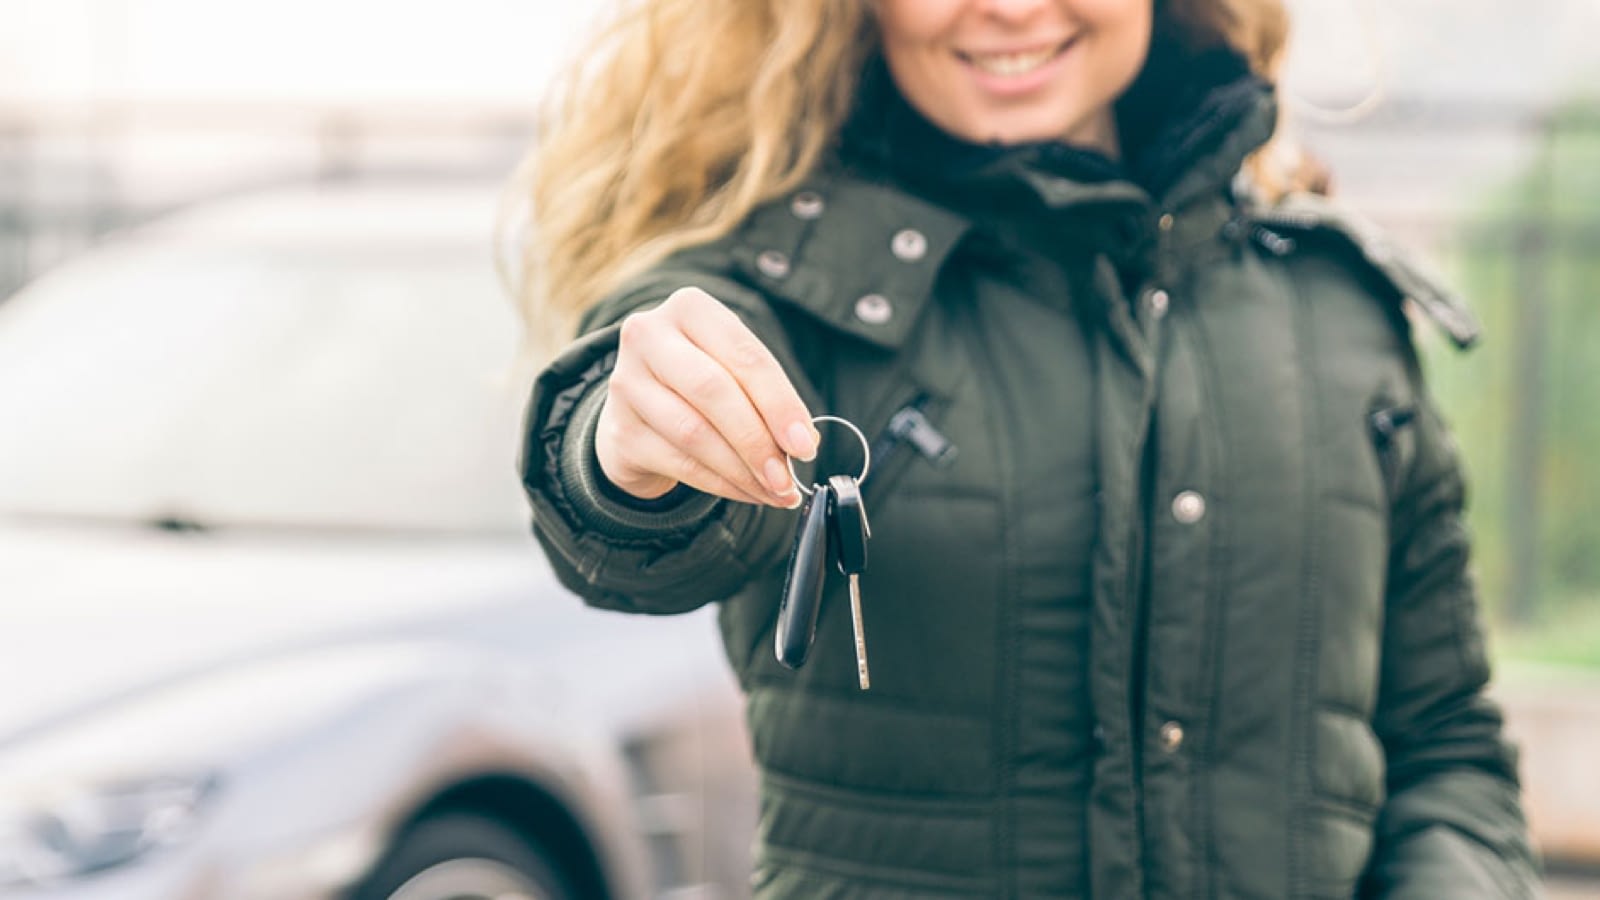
x=1571 y=641
x=1538 y=234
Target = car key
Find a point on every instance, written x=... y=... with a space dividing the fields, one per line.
x=850 y=530
x=802 y=585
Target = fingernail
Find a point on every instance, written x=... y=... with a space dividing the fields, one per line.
x=778 y=477
x=803 y=439
x=790 y=500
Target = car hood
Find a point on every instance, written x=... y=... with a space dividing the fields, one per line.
x=91 y=616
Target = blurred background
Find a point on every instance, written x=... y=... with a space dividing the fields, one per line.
x=205 y=209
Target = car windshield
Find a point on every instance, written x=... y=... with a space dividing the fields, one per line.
x=237 y=384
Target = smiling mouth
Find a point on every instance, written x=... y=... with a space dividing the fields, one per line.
x=1010 y=65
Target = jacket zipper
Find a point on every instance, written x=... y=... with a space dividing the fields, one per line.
x=1385 y=423
x=1138 y=586
x=910 y=427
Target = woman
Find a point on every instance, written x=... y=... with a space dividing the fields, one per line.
x=1167 y=593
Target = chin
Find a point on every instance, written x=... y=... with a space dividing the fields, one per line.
x=1029 y=127
x=1012 y=138
x=1009 y=133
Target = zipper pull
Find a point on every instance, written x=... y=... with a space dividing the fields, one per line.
x=1386 y=422
x=911 y=425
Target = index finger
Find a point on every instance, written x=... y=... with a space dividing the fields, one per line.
x=721 y=334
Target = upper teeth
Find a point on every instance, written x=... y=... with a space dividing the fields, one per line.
x=1012 y=63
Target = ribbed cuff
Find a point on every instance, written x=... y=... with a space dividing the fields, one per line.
x=604 y=507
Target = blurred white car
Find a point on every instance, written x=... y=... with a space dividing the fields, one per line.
x=272 y=624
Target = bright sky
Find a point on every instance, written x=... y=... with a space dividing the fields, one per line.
x=285 y=50
x=472 y=57
x=502 y=50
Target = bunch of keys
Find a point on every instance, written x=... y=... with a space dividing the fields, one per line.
x=832 y=519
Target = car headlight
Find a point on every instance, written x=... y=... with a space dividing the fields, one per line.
x=85 y=828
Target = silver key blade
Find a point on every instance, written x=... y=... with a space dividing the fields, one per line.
x=861 y=637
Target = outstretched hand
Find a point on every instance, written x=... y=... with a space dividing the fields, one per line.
x=696 y=398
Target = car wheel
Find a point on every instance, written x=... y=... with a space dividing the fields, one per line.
x=460 y=856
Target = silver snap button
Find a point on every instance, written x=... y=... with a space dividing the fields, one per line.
x=874 y=309
x=1171 y=736
x=1165 y=222
x=773 y=264
x=1159 y=301
x=909 y=245
x=807 y=205
x=1188 y=507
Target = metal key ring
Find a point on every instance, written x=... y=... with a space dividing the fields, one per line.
x=866 y=453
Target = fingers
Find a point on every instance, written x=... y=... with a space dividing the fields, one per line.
x=658 y=454
x=720 y=333
x=695 y=397
x=665 y=435
x=711 y=398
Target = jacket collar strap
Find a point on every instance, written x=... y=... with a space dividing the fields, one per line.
x=1412 y=282
x=859 y=256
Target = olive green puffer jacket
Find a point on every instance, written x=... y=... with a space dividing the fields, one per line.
x=1168 y=593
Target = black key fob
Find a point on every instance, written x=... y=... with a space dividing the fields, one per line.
x=850 y=527
x=802 y=586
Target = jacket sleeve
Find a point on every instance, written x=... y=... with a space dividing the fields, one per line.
x=667 y=556
x=1452 y=826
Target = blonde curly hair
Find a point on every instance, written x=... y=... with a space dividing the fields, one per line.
x=684 y=115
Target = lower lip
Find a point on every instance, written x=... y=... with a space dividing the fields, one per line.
x=1025 y=83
